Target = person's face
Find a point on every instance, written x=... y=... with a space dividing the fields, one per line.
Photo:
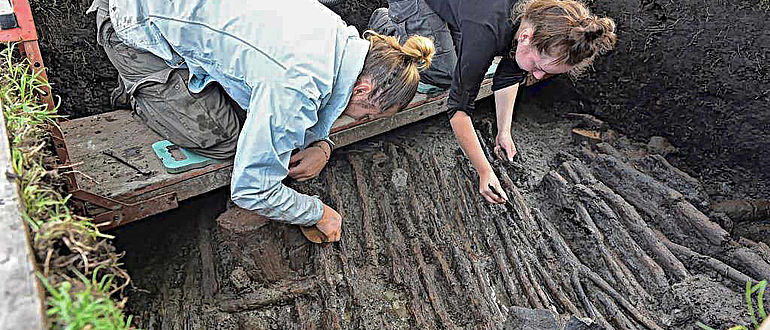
x=360 y=106
x=531 y=60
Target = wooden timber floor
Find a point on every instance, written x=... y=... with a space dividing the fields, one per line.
x=609 y=233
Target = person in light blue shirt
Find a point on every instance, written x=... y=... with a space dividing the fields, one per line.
x=260 y=80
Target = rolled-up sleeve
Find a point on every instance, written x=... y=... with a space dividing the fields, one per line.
x=275 y=125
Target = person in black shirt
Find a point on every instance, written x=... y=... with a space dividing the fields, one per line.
x=534 y=37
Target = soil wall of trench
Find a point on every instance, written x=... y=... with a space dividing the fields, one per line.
x=612 y=233
x=695 y=72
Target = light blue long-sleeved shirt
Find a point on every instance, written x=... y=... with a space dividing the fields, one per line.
x=291 y=64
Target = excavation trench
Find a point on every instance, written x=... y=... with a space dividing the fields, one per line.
x=620 y=232
x=611 y=233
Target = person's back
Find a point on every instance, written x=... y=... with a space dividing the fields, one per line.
x=294 y=65
x=228 y=41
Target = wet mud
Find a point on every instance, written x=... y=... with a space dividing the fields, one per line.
x=693 y=72
x=611 y=233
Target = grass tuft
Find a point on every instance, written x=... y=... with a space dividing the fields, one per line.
x=756 y=319
x=80 y=268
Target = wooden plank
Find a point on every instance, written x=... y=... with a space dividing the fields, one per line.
x=21 y=295
x=366 y=130
x=126 y=136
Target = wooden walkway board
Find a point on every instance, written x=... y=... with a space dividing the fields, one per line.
x=126 y=136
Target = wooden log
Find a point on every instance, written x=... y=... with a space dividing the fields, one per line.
x=621 y=321
x=744 y=210
x=587 y=136
x=564 y=250
x=367 y=233
x=629 y=285
x=449 y=232
x=648 y=195
x=280 y=294
x=605 y=220
x=584 y=120
x=659 y=168
x=642 y=233
x=591 y=310
x=750 y=261
x=209 y=281
x=720 y=267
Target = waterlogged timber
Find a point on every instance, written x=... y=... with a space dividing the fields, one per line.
x=610 y=233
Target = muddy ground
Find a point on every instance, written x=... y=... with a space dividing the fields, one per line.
x=595 y=238
x=695 y=72
x=698 y=73
x=586 y=234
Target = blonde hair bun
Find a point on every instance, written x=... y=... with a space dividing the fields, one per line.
x=419 y=49
x=416 y=49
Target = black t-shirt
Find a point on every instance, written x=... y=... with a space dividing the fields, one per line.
x=481 y=30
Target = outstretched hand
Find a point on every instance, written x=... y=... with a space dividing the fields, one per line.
x=308 y=163
x=490 y=188
x=505 y=149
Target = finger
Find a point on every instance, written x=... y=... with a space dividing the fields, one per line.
x=307 y=174
x=293 y=172
x=498 y=193
x=295 y=158
x=498 y=152
x=501 y=193
x=296 y=171
x=333 y=236
x=337 y=235
x=510 y=151
x=299 y=171
x=488 y=195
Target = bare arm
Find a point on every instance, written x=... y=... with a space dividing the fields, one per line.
x=504 y=103
x=469 y=142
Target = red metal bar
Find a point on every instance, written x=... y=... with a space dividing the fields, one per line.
x=26 y=35
x=26 y=30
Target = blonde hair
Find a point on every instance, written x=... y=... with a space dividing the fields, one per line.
x=566 y=30
x=395 y=68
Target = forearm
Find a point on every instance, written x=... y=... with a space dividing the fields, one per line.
x=504 y=103
x=469 y=141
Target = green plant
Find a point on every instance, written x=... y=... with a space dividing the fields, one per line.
x=84 y=305
x=759 y=289
x=69 y=247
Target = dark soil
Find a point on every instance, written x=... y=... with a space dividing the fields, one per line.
x=694 y=72
x=697 y=73
x=79 y=71
x=421 y=249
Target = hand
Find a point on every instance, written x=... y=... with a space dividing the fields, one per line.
x=490 y=188
x=328 y=229
x=330 y=224
x=308 y=163
x=505 y=149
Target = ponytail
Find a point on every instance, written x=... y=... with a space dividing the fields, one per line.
x=395 y=68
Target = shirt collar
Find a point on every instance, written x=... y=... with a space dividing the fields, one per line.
x=351 y=65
